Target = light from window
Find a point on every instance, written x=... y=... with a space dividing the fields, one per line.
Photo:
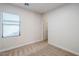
x=11 y=25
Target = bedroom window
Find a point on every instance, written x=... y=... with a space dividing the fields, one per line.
x=10 y=25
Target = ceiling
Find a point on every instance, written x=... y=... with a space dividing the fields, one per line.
x=39 y=7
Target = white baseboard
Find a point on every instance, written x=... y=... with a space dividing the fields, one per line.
x=19 y=45
x=76 y=53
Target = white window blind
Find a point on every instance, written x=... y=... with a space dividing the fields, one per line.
x=10 y=25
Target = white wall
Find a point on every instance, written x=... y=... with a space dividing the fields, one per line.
x=63 y=27
x=31 y=28
x=0 y=26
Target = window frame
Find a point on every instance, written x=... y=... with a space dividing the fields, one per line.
x=19 y=24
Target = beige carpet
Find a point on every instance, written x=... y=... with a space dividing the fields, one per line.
x=37 y=49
